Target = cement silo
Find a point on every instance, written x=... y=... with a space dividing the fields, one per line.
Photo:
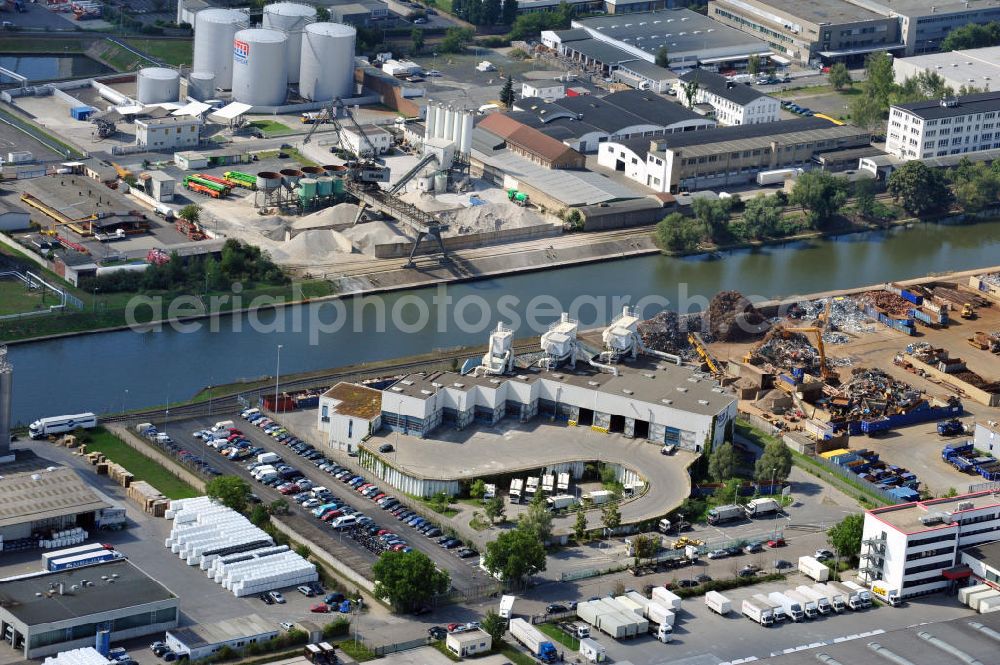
x=156 y=85
x=260 y=67
x=327 y=69
x=213 y=43
x=201 y=85
x=291 y=18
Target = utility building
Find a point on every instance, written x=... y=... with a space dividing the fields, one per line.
x=167 y=133
x=348 y=413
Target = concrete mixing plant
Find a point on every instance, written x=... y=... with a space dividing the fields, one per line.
x=559 y=343
x=214 y=31
x=260 y=67
x=452 y=125
x=156 y=85
x=327 y=62
x=290 y=18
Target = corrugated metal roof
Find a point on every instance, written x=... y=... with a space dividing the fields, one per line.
x=39 y=495
x=524 y=137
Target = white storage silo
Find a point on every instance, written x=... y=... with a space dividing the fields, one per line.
x=291 y=18
x=213 y=43
x=260 y=67
x=327 y=69
x=201 y=85
x=155 y=85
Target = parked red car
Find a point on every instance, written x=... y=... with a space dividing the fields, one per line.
x=320 y=608
x=776 y=542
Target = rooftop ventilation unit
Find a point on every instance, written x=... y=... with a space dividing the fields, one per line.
x=965 y=505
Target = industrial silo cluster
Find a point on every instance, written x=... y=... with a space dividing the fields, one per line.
x=258 y=64
x=449 y=124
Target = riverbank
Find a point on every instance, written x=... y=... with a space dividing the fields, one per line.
x=381 y=277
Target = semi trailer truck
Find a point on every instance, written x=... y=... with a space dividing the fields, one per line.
x=757 y=611
x=533 y=640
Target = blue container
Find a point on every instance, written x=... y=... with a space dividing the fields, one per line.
x=81 y=112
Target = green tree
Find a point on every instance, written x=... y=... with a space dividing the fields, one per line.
x=864 y=197
x=611 y=516
x=490 y=13
x=494 y=509
x=690 y=91
x=507 y=92
x=408 y=580
x=417 y=39
x=840 y=76
x=775 y=462
x=845 y=535
x=662 y=58
x=537 y=519
x=645 y=546
x=821 y=194
x=972 y=35
x=925 y=85
x=762 y=215
x=714 y=215
x=279 y=507
x=880 y=79
x=722 y=463
x=867 y=114
x=515 y=555
x=494 y=626
x=322 y=15
x=920 y=188
x=509 y=13
x=753 y=65
x=191 y=213
x=259 y=515
x=455 y=40
x=977 y=189
x=232 y=491
x=477 y=489
x=678 y=233
x=580 y=524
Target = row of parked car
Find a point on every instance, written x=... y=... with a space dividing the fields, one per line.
x=798 y=110
x=167 y=444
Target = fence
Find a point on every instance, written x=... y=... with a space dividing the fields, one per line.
x=385 y=649
x=853 y=479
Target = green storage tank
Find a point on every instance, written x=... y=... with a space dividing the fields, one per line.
x=324 y=185
x=307 y=189
x=338 y=186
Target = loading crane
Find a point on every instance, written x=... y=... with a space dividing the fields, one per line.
x=824 y=369
x=695 y=340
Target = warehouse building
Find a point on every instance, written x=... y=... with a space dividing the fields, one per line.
x=812 y=32
x=978 y=67
x=348 y=413
x=727 y=156
x=201 y=640
x=733 y=103
x=167 y=133
x=584 y=123
x=528 y=142
x=951 y=126
x=984 y=563
x=45 y=613
x=604 y=43
x=374 y=137
x=916 y=547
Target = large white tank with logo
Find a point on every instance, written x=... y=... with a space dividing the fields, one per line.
x=214 y=30
x=260 y=67
x=291 y=18
x=327 y=61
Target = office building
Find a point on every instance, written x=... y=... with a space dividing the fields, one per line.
x=916 y=547
x=727 y=156
x=978 y=67
x=733 y=103
x=374 y=137
x=469 y=643
x=348 y=413
x=199 y=641
x=167 y=133
x=811 y=32
x=925 y=23
x=952 y=126
x=45 y=613
x=547 y=90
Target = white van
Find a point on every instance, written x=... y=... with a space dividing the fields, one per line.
x=222 y=424
x=344 y=522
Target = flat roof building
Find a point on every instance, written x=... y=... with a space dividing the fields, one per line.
x=978 y=67
x=167 y=133
x=733 y=103
x=469 y=643
x=201 y=640
x=811 y=32
x=727 y=156
x=349 y=412
x=45 y=613
x=950 y=126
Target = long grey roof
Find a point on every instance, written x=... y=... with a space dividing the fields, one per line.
x=978 y=103
x=720 y=134
x=738 y=93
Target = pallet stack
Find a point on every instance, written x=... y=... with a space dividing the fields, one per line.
x=148 y=497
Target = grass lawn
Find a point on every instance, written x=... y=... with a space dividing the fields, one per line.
x=45 y=45
x=441 y=5
x=117 y=57
x=515 y=656
x=16 y=298
x=358 y=652
x=299 y=157
x=171 y=51
x=272 y=127
x=142 y=467
x=560 y=635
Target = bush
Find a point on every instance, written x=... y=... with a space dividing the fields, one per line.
x=337 y=628
x=494 y=41
x=727 y=584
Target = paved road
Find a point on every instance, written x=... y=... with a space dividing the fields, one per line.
x=464 y=573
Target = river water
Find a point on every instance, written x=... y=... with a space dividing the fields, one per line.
x=111 y=371
x=46 y=67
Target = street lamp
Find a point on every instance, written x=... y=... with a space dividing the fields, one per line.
x=277 y=375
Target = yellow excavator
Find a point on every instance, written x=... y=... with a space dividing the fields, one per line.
x=824 y=369
x=695 y=340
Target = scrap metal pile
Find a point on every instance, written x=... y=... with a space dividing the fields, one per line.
x=871 y=393
x=733 y=318
x=991 y=278
x=845 y=317
x=887 y=302
x=785 y=350
x=663 y=332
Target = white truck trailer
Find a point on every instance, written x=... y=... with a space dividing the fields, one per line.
x=776 y=176
x=963 y=593
x=666 y=597
x=808 y=605
x=776 y=608
x=792 y=607
x=539 y=646
x=851 y=597
x=837 y=599
x=757 y=611
x=718 y=603
x=721 y=514
x=44 y=427
x=886 y=594
x=592 y=651
x=506 y=607
x=822 y=602
x=865 y=594
x=814 y=568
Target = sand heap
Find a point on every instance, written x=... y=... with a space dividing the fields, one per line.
x=338 y=215
x=272 y=227
x=489 y=217
x=366 y=235
x=315 y=246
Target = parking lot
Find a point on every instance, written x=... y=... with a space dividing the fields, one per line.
x=357 y=552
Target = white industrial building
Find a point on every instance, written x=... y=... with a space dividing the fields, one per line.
x=916 y=548
x=469 y=643
x=733 y=103
x=167 y=133
x=547 y=90
x=377 y=138
x=348 y=414
x=986 y=437
x=201 y=640
x=951 y=126
x=978 y=67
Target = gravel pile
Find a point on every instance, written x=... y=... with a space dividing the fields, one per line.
x=343 y=213
x=366 y=235
x=489 y=217
x=311 y=246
